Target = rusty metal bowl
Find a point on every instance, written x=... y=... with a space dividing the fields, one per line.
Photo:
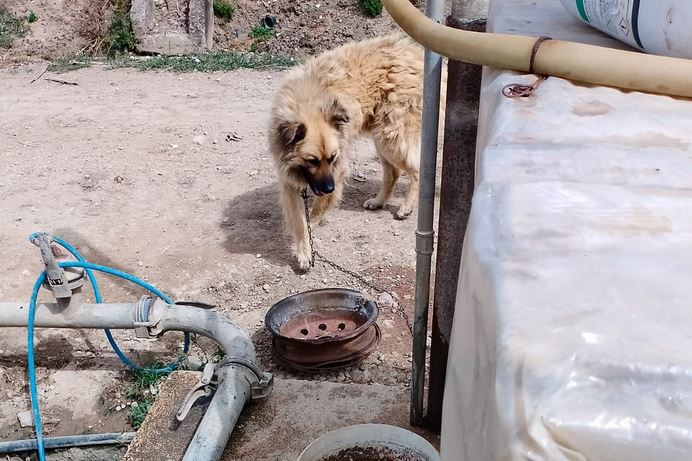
x=323 y=329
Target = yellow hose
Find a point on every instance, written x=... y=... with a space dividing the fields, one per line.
x=569 y=60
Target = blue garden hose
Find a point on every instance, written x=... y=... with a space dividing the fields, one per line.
x=89 y=268
x=98 y=299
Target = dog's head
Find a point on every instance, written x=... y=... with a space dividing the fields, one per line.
x=309 y=143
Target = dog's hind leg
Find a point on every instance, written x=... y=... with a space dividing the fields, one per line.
x=294 y=218
x=411 y=198
x=389 y=177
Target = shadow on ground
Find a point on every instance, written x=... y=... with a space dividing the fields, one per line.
x=253 y=223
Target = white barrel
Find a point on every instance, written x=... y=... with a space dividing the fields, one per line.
x=662 y=27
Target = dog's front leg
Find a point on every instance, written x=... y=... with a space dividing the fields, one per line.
x=297 y=226
x=324 y=204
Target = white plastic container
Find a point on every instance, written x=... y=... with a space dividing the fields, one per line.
x=364 y=435
x=662 y=27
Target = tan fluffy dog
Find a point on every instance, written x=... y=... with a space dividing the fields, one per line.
x=369 y=88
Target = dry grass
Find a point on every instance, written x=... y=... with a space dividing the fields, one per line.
x=96 y=17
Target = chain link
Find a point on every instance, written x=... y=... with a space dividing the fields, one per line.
x=314 y=254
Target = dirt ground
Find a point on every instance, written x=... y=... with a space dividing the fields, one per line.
x=303 y=28
x=167 y=176
x=67 y=27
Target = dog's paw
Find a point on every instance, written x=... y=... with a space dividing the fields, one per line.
x=403 y=212
x=317 y=221
x=303 y=261
x=373 y=204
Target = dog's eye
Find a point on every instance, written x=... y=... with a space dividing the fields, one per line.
x=314 y=161
x=331 y=159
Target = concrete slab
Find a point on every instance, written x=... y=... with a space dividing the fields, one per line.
x=277 y=429
x=169 y=44
x=141 y=14
x=70 y=400
x=197 y=37
x=201 y=23
x=161 y=437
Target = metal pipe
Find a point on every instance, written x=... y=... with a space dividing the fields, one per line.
x=220 y=418
x=425 y=234
x=456 y=193
x=207 y=323
x=235 y=379
x=86 y=440
x=96 y=316
x=573 y=61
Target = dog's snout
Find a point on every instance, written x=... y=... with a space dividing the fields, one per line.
x=326 y=186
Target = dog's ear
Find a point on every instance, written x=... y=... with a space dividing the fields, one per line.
x=291 y=133
x=338 y=117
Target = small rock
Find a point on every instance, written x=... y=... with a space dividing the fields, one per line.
x=199 y=140
x=25 y=418
x=134 y=404
x=118 y=179
x=140 y=263
x=118 y=408
x=386 y=300
x=265 y=287
x=259 y=255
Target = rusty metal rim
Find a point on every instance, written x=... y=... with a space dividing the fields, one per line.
x=353 y=333
x=338 y=362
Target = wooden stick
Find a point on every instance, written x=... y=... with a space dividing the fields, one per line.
x=62 y=82
x=39 y=75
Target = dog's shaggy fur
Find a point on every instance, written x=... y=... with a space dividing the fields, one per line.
x=368 y=88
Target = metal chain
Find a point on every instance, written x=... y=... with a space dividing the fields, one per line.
x=315 y=254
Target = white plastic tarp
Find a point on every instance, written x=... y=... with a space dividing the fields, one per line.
x=572 y=337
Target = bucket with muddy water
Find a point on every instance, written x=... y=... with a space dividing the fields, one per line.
x=370 y=442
